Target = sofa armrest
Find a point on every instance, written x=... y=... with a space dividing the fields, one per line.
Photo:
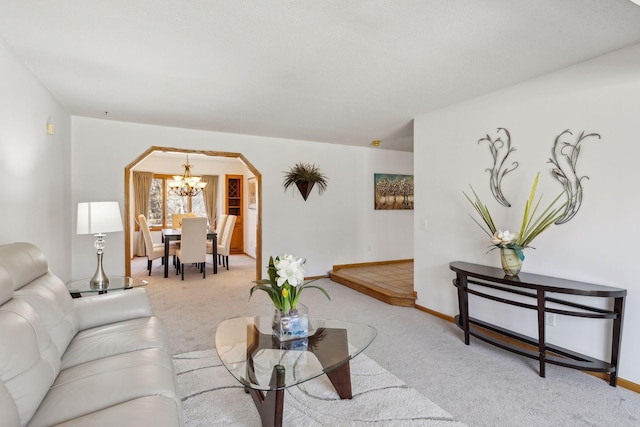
x=98 y=310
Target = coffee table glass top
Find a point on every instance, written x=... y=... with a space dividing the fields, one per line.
x=249 y=351
x=116 y=283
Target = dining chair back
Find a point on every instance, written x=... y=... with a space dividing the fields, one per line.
x=222 y=220
x=193 y=244
x=152 y=250
x=224 y=244
x=176 y=219
x=146 y=233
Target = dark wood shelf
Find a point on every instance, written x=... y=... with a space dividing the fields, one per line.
x=555 y=355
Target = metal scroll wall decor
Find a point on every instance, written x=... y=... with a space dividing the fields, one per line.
x=565 y=158
x=500 y=148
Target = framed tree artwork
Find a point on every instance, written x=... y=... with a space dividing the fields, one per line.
x=393 y=191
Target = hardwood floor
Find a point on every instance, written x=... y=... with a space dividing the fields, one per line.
x=389 y=281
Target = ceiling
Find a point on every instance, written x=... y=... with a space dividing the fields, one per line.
x=345 y=72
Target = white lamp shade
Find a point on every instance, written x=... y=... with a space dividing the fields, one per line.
x=99 y=217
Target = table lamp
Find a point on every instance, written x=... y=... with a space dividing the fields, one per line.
x=98 y=218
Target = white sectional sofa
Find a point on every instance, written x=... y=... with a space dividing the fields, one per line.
x=101 y=360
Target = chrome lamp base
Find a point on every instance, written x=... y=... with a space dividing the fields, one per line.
x=99 y=279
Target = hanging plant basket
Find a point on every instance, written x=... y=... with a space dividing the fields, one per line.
x=305 y=188
x=305 y=176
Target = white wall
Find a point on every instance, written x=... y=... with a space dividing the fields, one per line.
x=34 y=167
x=338 y=227
x=597 y=245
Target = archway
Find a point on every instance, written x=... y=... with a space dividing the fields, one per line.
x=151 y=150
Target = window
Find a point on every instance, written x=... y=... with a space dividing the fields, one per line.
x=162 y=204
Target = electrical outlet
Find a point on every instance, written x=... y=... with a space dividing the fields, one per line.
x=550 y=319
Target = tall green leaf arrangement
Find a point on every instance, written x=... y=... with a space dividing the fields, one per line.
x=533 y=223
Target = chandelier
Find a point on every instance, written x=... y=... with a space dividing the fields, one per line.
x=186 y=185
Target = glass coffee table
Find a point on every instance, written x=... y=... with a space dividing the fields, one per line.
x=266 y=365
x=116 y=283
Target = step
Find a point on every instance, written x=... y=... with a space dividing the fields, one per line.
x=387 y=281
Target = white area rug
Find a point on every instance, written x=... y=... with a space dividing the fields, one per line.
x=212 y=397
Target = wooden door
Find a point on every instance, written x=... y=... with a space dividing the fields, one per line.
x=234 y=203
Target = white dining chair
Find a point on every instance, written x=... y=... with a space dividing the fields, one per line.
x=193 y=244
x=222 y=220
x=176 y=219
x=152 y=250
x=224 y=245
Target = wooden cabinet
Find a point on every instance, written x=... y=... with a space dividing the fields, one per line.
x=234 y=203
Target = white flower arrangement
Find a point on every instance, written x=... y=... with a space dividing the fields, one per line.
x=285 y=283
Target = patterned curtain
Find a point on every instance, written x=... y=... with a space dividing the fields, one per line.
x=210 y=196
x=141 y=189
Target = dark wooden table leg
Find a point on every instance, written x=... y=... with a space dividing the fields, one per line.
x=214 y=247
x=463 y=304
x=271 y=403
x=542 y=347
x=334 y=357
x=341 y=380
x=333 y=354
x=166 y=257
x=615 y=340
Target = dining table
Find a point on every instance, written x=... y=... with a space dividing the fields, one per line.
x=174 y=234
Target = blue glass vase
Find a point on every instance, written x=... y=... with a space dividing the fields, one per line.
x=292 y=325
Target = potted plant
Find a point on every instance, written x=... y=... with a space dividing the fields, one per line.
x=511 y=245
x=284 y=286
x=305 y=176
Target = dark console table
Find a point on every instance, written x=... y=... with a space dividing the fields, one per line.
x=538 y=288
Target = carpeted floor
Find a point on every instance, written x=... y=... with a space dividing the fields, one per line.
x=479 y=384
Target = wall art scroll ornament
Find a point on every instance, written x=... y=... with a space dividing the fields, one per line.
x=565 y=158
x=500 y=148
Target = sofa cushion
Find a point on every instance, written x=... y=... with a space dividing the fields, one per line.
x=6 y=286
x=8 y=408
x=23 y=261
x=156 y=411
x=32 y=281
x=29 y=362
x=53 y=303
x=115 y=338
x=98 y=310
x=95 y=386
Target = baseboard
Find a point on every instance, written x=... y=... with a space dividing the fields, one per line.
x=325 y=276
x=435 y=313
x=621 y=381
